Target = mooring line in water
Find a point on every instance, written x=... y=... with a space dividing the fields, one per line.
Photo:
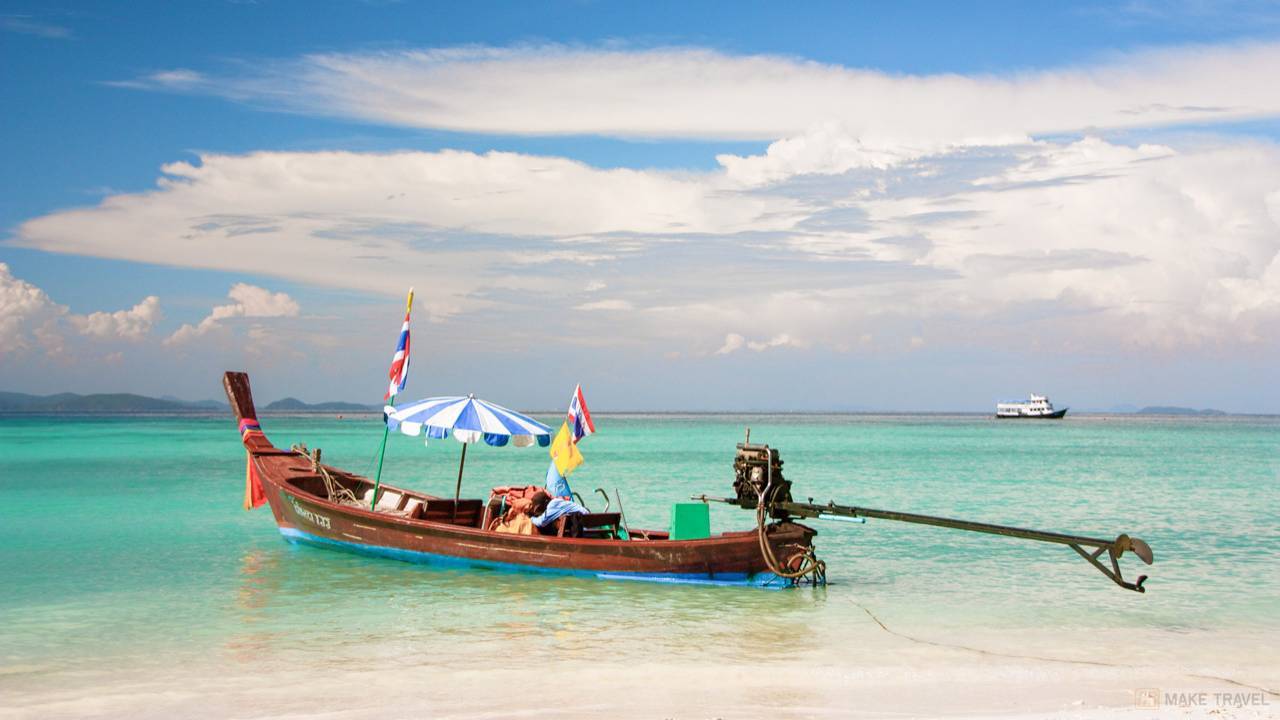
x=1098 y=663
x=1272 y=693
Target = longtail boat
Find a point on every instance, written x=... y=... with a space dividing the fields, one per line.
x=316 y=504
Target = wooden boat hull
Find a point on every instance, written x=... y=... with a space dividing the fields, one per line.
x=303 y=516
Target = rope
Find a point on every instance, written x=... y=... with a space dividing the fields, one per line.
x=337 y=492
x=810 y=564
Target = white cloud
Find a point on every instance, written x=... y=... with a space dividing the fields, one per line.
x=132 y=324
x=893 y=207
x=178 y=78
x=605 y=305
x=693 y=92
x=250 y=302
x=30 y=319
x=782 y=340
x=378 y=221
x=1065 y=246
x=1049 y=161
x=26 y=25
x=829 y=149
x=734 y=342
x=27 y=315
x=1166 y=249
x=1098 y=244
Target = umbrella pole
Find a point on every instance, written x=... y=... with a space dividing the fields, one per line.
x=457 y=491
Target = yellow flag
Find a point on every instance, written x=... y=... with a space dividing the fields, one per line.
x=564 y=452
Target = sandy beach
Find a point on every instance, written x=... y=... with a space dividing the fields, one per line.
x=979 y=688
x=870 y=673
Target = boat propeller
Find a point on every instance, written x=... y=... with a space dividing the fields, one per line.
x=1138 y=547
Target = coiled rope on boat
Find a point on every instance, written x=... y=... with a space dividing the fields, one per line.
x=809 y=564
x=336 y=491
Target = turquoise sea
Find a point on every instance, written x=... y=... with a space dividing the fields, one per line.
x=135 y=585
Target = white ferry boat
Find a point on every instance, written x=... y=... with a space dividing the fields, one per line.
x=1037 y=407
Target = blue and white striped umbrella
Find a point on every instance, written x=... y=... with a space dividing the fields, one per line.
x=469 y=419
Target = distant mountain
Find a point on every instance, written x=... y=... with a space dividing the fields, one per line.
x=203 y=404
x=98 y=403
x=1171 y=410
x=295 y=405
x=211 y=404
x=11 y=402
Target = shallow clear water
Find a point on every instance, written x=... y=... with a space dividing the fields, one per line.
x=128 y=565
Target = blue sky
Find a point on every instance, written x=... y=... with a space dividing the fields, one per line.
x=830 y=201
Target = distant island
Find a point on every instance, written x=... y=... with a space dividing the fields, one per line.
x=295 y=405
x=1173 y=410
x=11 y=402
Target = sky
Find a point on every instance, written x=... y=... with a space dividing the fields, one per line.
x=682 y=206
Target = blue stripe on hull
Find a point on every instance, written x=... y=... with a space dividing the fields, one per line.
x=764 y=579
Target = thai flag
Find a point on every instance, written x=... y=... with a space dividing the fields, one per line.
x=579 y=418
x=400 y=361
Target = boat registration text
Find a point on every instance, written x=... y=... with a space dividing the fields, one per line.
x=313 y=518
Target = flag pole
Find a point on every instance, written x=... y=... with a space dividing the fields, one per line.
x=382 y=451
x=386 y=429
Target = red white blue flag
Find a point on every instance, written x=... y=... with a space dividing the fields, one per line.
x=400 y=361
x=579 y=417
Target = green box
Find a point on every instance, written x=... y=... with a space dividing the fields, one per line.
x=690 y=521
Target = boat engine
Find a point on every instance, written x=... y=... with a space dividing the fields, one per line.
x=758 y=479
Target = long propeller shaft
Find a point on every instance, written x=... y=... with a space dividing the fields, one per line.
x=1091 y=549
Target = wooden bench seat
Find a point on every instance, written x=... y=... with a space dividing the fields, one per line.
x=442 y=510
x=594 y=525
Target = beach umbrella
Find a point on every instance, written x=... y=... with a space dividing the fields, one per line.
x=468 y=419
